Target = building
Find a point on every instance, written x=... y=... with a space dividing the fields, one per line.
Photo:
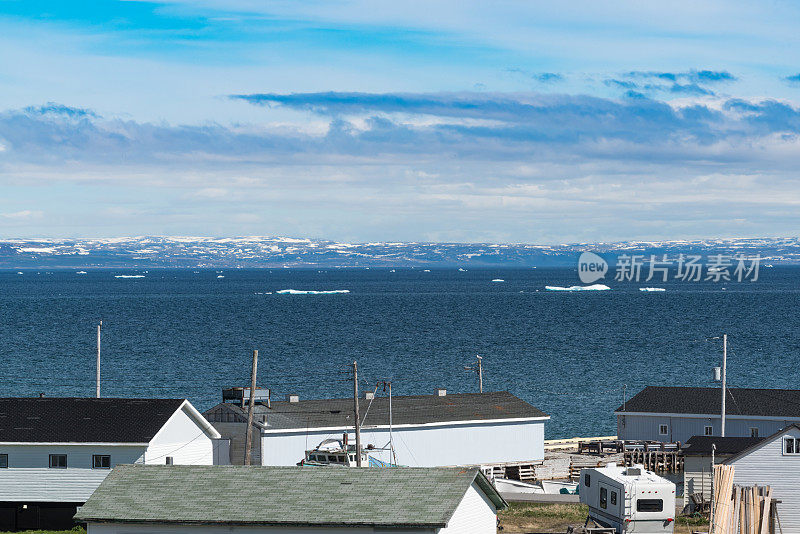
x=427 y=430
x=674 y=414
x=56 y=451
x=775 y=462
x=253 y=500
x=700 y=454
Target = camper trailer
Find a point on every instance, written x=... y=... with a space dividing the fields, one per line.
x=628 y=499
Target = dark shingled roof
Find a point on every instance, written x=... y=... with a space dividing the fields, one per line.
x=412 y=409
x=79 y=420
x=296 y=496
x=701 y=445
x=739 y=401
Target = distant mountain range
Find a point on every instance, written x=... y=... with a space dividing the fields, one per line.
x=250 y=252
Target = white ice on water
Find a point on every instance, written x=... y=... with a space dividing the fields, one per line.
x=128 y=276
x=593 y=287
x=311 y=292
x=652 y=289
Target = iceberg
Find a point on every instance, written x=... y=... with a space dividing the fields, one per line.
x=128 y=276
x=311 y=292
x=652 y=289
x=81 y=272
x=593 y=287
x=498 y=280
x=220 y=276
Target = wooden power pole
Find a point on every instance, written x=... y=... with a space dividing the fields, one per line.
x=724 y=381
x=251 y=405
x=358 y=417
x=97 y=381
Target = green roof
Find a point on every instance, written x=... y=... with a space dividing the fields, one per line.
x=402 y=496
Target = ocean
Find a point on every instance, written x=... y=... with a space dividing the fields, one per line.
x=575 y=355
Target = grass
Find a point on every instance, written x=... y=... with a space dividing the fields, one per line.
x=76 y=530
x=556 y=517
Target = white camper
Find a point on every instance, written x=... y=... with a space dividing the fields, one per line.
x=628 y=499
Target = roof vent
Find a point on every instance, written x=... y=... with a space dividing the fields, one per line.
x=292 y=398
x=369 y=395
x=441 y=392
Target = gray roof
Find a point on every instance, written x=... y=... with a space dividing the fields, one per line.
x=702 y=445
x=411 y=409
x=704 y=400
x=761 y=443
x=83 y=420
x=318 y=496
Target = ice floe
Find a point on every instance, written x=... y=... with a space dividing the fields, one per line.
x=593 y=287
x=128 y=276
x=652 y=289
x=311 y=292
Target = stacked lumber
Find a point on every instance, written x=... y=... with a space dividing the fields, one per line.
x=740 y=509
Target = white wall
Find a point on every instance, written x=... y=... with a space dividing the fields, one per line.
x=768 y=466
x=121 y=528
x=424 y=446
x=183 y=439
x=681 y=428
x=474 y=515
x=28 y=477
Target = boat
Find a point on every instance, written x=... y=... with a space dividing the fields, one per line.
x=507 y=485
x=559 y=486
x=332 y=452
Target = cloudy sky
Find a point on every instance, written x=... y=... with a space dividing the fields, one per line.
x=502 y=121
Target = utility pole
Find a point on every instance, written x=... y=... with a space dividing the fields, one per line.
x=479 y=371
x=358 y=417
x=97 y=392
x=724 y=379
x=249 y=438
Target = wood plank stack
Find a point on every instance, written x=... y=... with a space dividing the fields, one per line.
x=740 y=509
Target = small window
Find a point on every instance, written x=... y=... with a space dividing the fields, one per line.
x=663 y=430
x=169 y=460
x=352 y=457
x=649 y=505
x=613 y=498
x=3 y=461
x=101 y=461
x=340 y=459
x=753 y=432
x=603 y=498
x=708 y=431
x=790 y=446
x=587 y=480
x=58 y=461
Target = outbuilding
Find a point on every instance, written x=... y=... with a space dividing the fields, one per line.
x=263 y=500
x=674 y=414
x=774 y=462
x=56 y=451
x=442 y=429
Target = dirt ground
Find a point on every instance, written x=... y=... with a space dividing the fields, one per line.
x=545 y=517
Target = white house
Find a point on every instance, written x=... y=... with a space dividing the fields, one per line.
x=295 y=500
x=54 y=452
x=774 y=462
x=427 y=430
x=674 y=414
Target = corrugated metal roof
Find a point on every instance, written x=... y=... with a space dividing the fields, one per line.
x=319 y=496
x=704 y=400
x=83 y=420
x=411 y=409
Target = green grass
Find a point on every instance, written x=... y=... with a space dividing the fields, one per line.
x=76 y=530
x=565 y=512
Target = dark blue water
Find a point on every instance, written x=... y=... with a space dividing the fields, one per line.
x=186 y=334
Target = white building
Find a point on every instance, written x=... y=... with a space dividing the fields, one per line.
x=426 y=430
x=774 y=462
x=56 y=451
x=295 y=500
x=674 y=414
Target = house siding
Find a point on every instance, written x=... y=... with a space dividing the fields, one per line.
x=681 y=428
x=182 y=439
x=423 y=446
x=121 y=528
x=475 y=514
x=29 y=479
x=766 y=465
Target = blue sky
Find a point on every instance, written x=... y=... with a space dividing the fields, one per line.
x=416 y=121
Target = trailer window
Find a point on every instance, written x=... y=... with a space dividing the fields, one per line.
x=613 y=498
x=587 y=480
x=603 y=498
x=649 y=505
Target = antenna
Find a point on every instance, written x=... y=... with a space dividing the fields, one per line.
x=97 y=392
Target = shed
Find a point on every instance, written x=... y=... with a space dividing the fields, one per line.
x=774 y=462
x=257 y=499
x=697 y=464
x=427 y=430
x=671 y=413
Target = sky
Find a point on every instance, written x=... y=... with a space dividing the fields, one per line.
x=459 y=121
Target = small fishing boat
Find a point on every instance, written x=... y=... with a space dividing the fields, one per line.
x=559 y=486
x=332 y=452
x=506 y=485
